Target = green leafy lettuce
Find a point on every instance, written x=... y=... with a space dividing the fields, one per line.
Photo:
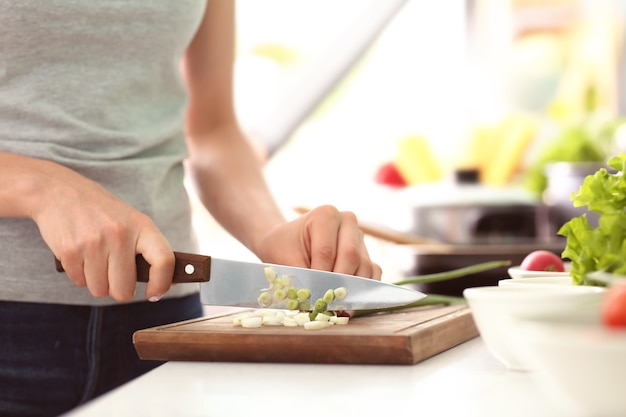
x=601 y=248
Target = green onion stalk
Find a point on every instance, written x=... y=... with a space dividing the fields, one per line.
x=437 y=299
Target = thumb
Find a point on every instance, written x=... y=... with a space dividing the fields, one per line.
x=159 y=255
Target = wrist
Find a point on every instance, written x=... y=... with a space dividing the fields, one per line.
x=20 y=182
x=28 y=185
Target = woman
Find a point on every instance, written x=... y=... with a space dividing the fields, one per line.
x=97 y=117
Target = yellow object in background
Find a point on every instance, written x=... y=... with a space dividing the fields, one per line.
x=482 y=146
x=416 y=162
x=502 y=148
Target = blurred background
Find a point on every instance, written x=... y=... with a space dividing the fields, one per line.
x=466 y=122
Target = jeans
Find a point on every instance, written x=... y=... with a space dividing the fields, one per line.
x=55 y=357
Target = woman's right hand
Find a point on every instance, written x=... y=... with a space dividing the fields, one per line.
x=95 y=235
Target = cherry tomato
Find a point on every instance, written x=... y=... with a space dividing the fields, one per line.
x=614 y=306
x=543 y=260
x=388 y=174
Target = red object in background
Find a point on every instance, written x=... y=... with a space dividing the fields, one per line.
x=543 y=260
x=614 y=306
x=388 y=174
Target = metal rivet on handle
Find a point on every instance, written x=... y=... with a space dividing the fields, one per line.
x=189 y=269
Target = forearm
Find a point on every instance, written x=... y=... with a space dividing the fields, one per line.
x=224 y=167
x=94 y=234
x=228 y=178
x=22 y=180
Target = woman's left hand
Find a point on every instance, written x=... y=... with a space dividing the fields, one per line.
x=325 y=239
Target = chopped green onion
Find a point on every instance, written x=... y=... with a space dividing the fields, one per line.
x=322 y=317
x=269 y=320
x=270 y=274
x=329 y=296
x=320 y=305
x=252 y=322
x=265 y=299
x=339 y=320
x=290 y=322
x=340 y=293
x=285 y=281
x=316 y=325
x=292 y=293
x=302 y=318
x=280 y=294
x=304 y=294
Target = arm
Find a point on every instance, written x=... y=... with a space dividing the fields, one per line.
x=226 y=171
x=228 y=176
x=94 y=234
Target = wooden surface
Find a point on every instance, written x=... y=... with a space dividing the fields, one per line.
x=403 y=337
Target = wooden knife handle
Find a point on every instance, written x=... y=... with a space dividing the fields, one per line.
x=189 y=267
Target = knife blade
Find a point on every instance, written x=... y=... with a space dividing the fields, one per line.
x=225 y=282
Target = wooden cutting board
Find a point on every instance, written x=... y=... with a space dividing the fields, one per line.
x=402 y=337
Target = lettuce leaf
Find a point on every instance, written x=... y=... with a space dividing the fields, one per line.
x=602 y=248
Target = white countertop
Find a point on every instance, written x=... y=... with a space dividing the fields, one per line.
x=463 y=381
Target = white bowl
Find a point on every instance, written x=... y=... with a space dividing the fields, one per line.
x=578 y=364
x=496 y=308
x=517 y=272
x=551 y=280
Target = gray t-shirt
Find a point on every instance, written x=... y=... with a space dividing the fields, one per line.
x=95 y=86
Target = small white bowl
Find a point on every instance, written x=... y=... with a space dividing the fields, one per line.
x=578 y=364
x=495 y=310
x=517 y=272
x=553 y=280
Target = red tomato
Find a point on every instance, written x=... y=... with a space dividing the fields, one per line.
x=388 y=174
x=543 y=260
x=614 y=306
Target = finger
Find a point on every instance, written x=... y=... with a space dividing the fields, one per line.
x=323 y=231
x=157 y=252
x=96 y=275
x=378 y=271
x=122 y=273
x=75 y=272
x=367 y=268
x=74 y=268
x=350 y=247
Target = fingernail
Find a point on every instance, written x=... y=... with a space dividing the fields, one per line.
x=155 y=298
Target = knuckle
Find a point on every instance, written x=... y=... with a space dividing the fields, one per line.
x=141 y=219
x=325 y=254
x=350 y=216
x=164 y=260
x=352 y=255
x=326 y=210
x=69 y=253
x=115 y=231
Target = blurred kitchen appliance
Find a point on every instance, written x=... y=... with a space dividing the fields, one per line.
x=479 y=224
x=563 y=179
x=463 y=211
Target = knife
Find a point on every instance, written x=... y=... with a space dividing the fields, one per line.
x=233 y=283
